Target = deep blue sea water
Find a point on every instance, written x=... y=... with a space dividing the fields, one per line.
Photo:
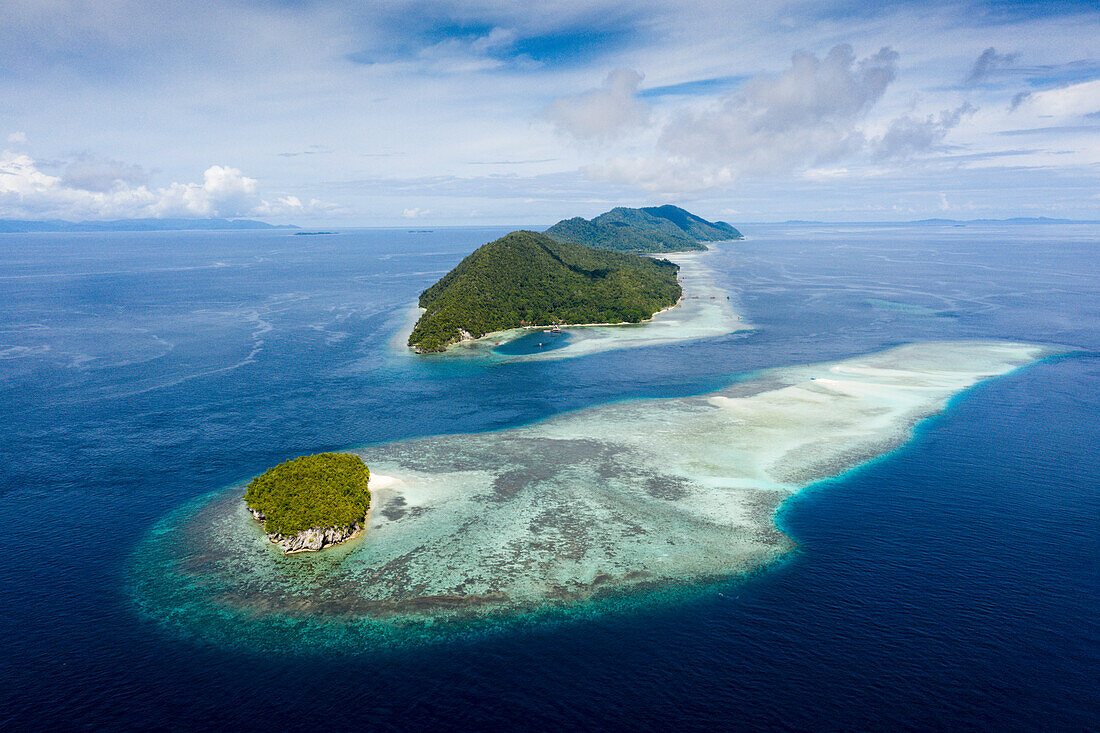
x=952 y=584
x=534 y=343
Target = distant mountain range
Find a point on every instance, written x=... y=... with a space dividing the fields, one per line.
x=134 y=225
x=650 y=229
x=1013 y=220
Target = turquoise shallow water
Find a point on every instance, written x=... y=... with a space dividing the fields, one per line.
x=949 y=584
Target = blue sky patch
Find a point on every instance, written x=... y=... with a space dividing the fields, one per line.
x=574 y=46
x=695 y=87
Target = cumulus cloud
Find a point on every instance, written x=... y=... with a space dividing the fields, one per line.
x=988 y=64
x=1018 y=99
x=601 y=113
x=99 y=174
x=908 y=136
x=805 y=116
x=17 y=137
x=414 y=213
x=98 y=189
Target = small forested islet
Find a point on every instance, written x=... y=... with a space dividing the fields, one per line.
x=318 y=491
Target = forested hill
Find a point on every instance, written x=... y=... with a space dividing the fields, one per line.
x=650 y=229
x=527 y=278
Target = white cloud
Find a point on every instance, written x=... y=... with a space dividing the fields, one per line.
x=465 y=56
x=1065 y=102
x=286 y=205
x=112 y=190
x=805 y=116
x=380 y=86
x=17 y=137
x=414 y=213
x=601 y=113
x=808 y=115
x=456 y=57
x=20 y=176
x=1018 y=99
x=99 y=174
x=988 y=64
x=661 y=174
x=826 y=175
x=223 y=192
x=908 y=136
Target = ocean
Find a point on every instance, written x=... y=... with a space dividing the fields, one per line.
x=951 y=583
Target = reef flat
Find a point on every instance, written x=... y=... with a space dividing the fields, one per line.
x=610 y=500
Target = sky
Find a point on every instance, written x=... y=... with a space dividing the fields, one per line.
x=410 y=112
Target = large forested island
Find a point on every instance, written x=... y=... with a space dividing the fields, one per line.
x=529 y=279
x=650 y=229
x=311 y=502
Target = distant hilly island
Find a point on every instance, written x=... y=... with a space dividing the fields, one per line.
x=12 y=226
x=1013 y=220
x=649 y=229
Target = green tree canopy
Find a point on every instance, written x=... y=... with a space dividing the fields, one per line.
x=323 y=490
x=647 y=230
x=529 y=279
